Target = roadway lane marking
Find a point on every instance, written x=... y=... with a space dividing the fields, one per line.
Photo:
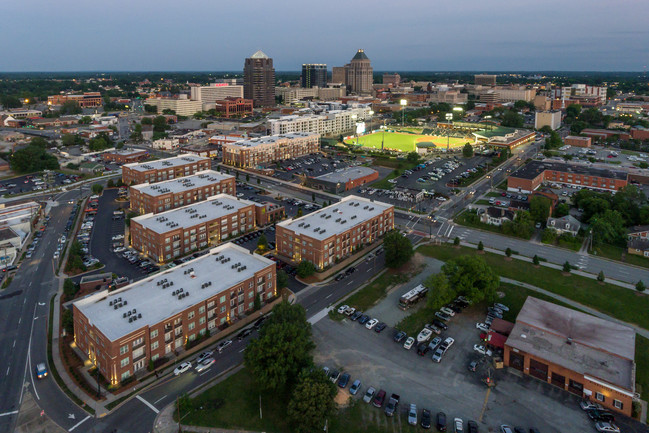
x=328 y=296
x=159 y=400
x=9 y=413
x=152 y=407
x=80 y=422
x=8 y=371
x=14 y=343
x=242 y=350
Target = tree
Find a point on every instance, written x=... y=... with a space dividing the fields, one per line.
x=512 y=119
x=608 y=228
x=540 y=208
x=398 y=249
x=282 y=279
x=150 y=108
x=313 y=196
x=136 y=135
x=305 y=269
x=640 y=287
x=160 y=124
x=257 y=303
x=110 y=183
x=480 y=246
x=567 y=267
x=71 y=140
x=258 y=181
x=69 y=289
x=40 y=142
x=545 y=129
x=561 y=210
x=282 y=350
x=147 y=120
x=412 y=157
x=440 y=291
x=10 y=101
x=535 y=260
x=456 y=241
x=472 y=277
x=31 y=159
x=262 y=243
x=97 y=188
x=601 y=277
x=553 y=141
x=85 y=120
x=520 y=105
x=247 y=177
x=300 y=212
x=508 y=252
x=70 y=107
x=312 y=401
x=573 y=110
x=467 y=150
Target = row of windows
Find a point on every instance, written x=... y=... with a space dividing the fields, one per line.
x=616 y=403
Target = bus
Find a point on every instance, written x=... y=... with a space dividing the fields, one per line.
x=411 y=297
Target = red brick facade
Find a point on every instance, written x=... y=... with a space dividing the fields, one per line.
x=141 y=173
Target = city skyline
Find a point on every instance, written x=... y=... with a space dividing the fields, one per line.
x=462 y=36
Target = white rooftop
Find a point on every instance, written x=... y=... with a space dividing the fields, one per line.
x=212 y=208
x=166 y=163
x=269 y=139
x=152 y=300
x=345 y=174
x=126 y=152
x=337 y=218
x=186 y=183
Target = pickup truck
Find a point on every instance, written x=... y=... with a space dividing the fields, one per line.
x=391 y=407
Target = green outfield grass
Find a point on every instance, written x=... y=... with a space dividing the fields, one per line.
x=404 y=142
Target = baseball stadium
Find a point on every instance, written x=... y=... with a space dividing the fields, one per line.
x=409 y=139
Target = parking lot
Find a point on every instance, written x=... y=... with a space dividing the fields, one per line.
x=448 y=386
x=312 y=165
x=30 y=183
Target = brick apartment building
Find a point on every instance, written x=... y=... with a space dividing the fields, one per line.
x=120 y=331
x=126 y=156
x=576 y=140
x=256 y=151
x=234 y=107
x=85 y=100
x=178 y=232
x=171 y=194
x=582 y=354
x=529 y=177
x=333 y=233
x=164 y=169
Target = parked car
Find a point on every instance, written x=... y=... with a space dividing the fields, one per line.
x=473 y=427
x=380 y=327
x=473 y=365
x=506 y=429
x=441 y=421
x=372 y=323
x=459 y=425
x=344 y=380
x=342 y=309
x=356 y=386
x=482 y=327
x=222 y=345
x=412 y=414
x=355 y=316
x=425 y=419
x=447 y=311
x=204 y=355
x=440 y=324
x=482 y=350
x=391 y=407
x=349 y=311
x=182 y=368
x=334 y=376
x=369 y=394
x=600 y=415
x=363 y=319
x=400 y=335
x=409 y=342
x=379 y=399
x=437 y=356
x=588 y=405
x=442 y=316
x=607 y=427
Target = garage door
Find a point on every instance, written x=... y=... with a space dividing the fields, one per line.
x=575 y=387
x=516 y=361
x=558 y=380
x=539 y=370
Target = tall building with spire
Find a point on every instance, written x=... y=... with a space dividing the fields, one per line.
x=359 y=75
x=259 y=80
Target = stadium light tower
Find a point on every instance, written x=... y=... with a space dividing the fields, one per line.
x=449 y=117
x=403 y=103
x=354 y=117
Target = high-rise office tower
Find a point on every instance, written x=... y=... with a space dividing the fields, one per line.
x=359 y=75
x=314 y=75
x=259 y=80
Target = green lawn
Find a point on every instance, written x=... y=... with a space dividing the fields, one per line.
x=620 y=254
x=403 y=142
x=383 y=183
x=642 y=366
x=624 y=304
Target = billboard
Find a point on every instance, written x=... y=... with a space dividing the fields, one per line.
x=360 y=128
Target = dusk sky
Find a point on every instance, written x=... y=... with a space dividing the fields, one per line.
x=209 y=35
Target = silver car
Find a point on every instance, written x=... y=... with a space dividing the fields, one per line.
x=369 y=394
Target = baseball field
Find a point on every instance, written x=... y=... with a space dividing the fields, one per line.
x=404 y=142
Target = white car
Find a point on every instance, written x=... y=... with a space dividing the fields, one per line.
x=369 y=394
x=372 y=323
x=424 y=335
x=349 y=311
x=448 y=343
x=222 y=345
x=342 y=309
x=482 y=326
x=459 y=426
x=203 y=356
x=448 y=311
x=607 y=427
x=204 y=364
x=481 y=349
x=182 y=368
x=412 y=414
x=56 y=254
x=409 y=342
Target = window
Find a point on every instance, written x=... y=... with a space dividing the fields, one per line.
x=154 y=345
x=138 y=341
x=126 y=375
x=191 y=326
x=222 y=300
x=618 y=404
x=155 y=357
x=123 y=350
x=210 y=304
x=124 y=362
x=222 y=309
x=190 y=315
x=154 y=333
x=201 y=320
x=201 y=310
x=599 y=396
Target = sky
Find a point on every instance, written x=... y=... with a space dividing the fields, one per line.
x=408 y=35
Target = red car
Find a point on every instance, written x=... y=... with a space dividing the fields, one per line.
x=379 y=399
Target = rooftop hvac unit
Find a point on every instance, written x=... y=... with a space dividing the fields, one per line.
x=115 y=307
x=130 y=320
x=139 y=315
x=125 y=303
x=124 y=316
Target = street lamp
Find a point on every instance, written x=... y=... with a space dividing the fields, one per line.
x=403 y=103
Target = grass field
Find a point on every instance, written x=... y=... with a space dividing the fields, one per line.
x=404 y=142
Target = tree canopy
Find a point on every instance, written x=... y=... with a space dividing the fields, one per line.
x=312 y=401
x=31 y=159
x=305 y=269
x=540 y=208
x=282 y=349
x=465 y=275
x=512 y=119
x=398 y=249
x=467 y=150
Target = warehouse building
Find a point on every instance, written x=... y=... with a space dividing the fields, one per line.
x=126 y=156
x=343 y=180
x=582 y=354
x=121 y=331
x=335 y=232
x=164 y=169
x=175 y=233
x=163 y=196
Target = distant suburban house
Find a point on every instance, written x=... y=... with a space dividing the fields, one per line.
x=640 y=232
x=91 y=168
x=565 y=224
x=638 y=246
x=496 y=216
